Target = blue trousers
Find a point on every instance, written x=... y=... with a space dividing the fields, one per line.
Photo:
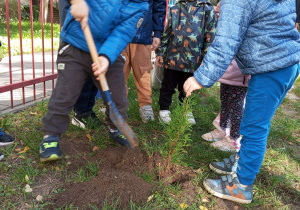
x=265 y=93
x=86 y=101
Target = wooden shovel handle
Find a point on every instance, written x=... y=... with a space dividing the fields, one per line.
x=94 y=54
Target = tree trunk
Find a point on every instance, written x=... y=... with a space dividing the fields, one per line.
x=44 y=11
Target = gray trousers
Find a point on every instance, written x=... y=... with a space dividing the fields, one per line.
x=74 y=69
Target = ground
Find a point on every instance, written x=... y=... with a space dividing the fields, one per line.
x=96 y=173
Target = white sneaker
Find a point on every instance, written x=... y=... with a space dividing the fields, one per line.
x=1 y=156
x=164 y=116
x=227 y=145
x=146 y=113
x=214 y=135
x=191 y=118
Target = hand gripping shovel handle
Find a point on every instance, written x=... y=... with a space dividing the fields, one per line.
x=114 y=115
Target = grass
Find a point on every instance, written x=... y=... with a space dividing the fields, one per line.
x=276 y=186
x=26 y=37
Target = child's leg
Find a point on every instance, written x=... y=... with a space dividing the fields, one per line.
x=116 y=83
x=183 y=76
x=72 y=64
x=167 y=89
x=225 y=96
x=265 y=93
x=237 y=101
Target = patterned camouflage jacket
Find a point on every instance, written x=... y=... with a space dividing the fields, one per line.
x=189 y=33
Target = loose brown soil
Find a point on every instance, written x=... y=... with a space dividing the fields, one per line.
x=119 y=176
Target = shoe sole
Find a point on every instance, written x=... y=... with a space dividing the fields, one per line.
x=218 y=171
x=160 y=120
x=51 y=158
x=77 y=123
x=227 y=197
x=6 y=143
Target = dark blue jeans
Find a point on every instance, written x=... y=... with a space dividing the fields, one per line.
x=86 y=101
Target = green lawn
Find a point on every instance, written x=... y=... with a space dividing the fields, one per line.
x=276 y=187
x=26 y=37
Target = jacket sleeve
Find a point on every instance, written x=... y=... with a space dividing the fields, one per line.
x=235 y=17
x=161 y=50
x=158 y=17
x=210 y=30
x=122 y=34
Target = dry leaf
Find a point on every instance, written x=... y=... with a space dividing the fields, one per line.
x=18 y=150
x=205 y=200
x=236 y=207
x=39 y=198
x=199 y=171
x=202 y=208
x=25 y=150
x=23 y=157
x=95 y=148
x=183 y=205
x=28 y=189
x=150 y=198
x=26 y=178
x=57 y=168
x=89 y=137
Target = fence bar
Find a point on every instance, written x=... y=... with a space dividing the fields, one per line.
x=52 y=45
x=43 y=45
x=32 y=48
x=9 y=53
x=21 y=48
x=22 y=84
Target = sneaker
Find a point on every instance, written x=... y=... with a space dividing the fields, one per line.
x=229 y=188
x=49 y=149
x=5 y=139
x=191 y=118
x=214 y=135
x=227 y=144
x=146 y=113
x=1 y=156
x=86 y=121
x=118 y=137
x=164 y=116
x=227 y=166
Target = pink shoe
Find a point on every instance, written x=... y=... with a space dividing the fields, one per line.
x=214 y=135
x=227 y=144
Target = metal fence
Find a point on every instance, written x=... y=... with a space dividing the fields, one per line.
x=26 y=77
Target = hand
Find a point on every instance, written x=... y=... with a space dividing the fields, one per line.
x=190 y=85
x=155 y=43
x=159 y=61
x=217 y=9
x=104 y=64
x=80 y=12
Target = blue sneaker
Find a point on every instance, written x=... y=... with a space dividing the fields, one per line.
x=49 y=149
x=229 y=188
x=5 y=139
x=118 y=137
x=227 y=166
x=1 y=156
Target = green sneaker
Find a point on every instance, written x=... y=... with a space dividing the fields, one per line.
x=229 y=187
x=49 y=149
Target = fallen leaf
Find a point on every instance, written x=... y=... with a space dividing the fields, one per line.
x=39 y=198
x=89 y=137
x=236 y=207
x=57 y=168
x=18 y=150
x=202 y=208
x=23 y=157
x=199 y=171
x=183 y=205
x=150 y=198
x=26 y=178
x=25 y=150
x=69 y=163
x=205 y=200
x=28 y=189
x=95 y=148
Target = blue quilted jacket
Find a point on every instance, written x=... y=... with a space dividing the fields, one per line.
x=261 y=33
x=153 y=23
x=113 y=24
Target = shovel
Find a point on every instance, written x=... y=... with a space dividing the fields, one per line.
x=114 y=114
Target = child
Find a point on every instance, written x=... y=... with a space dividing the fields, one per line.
x=186 y=39
x=261 y=35
x=232 y=94
x=113 y=25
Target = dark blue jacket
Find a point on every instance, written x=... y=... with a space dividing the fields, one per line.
x=113 y=24
x=153 y=23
